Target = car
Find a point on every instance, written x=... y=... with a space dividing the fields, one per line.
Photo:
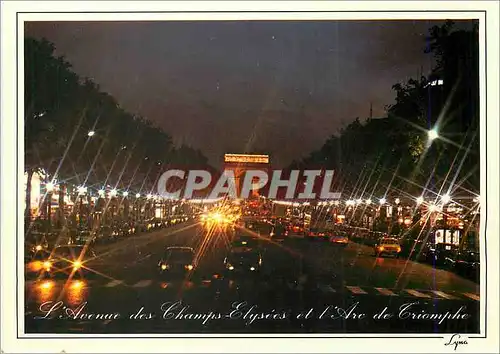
x=246 y=262
x=317 y=234
x=439 y=255
x=35 y=261
x=38 y=243
x=177 y=261
x=245 y=241
x=387 y=245
x=297 y=229
x=262 y=227
x=466 y=263
x=85 y=236
x=105 y=234
x=279 y=232
x=339 y=239
x=69 y=260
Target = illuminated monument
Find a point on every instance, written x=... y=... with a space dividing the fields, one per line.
x=240 y=163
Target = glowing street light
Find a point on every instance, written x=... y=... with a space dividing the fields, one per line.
x=138 y=195
x=125 y=193
x=82 y=190
x=476 y=199
x=432 y=134
x=91 y=133
x=113 y=192
x=368 y=201
x=446 y=198
x=397 y=201
x=433 y=207
x=149 y=196
x=49 y=186
x=420 y=200
x=101 y=192
x=382 y=201
x=359 y=201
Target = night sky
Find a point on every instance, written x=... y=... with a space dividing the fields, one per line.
x=276 y=87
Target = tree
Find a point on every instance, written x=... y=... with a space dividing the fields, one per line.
x=125 y=151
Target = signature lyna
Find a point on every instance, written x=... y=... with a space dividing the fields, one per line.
x=456 y=340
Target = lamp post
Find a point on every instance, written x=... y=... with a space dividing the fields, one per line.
x=125 y=206
x=432 y=134
x=82 y=190
x=50 y=189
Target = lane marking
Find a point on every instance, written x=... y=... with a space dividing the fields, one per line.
x=142 y=284
x=326 y=288
x=444 y=295
x=417 y=293
x=113 y=283
x=472 y=296
x=356 y=290
x=386 y=292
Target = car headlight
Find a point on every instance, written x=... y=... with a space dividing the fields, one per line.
x=164 y=266
x=230 y=267
x=252 y=268
x=189 y=267
x=381 y=248
x=77 y=265
x=399 y=249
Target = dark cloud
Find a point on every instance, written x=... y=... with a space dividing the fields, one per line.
x=223 y=87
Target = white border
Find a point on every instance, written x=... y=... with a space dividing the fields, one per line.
x=8 y=195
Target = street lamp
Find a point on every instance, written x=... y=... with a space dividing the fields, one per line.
x=50 y=188
x=432 y=134
x=101 y=193
x=113 y=192
x=149 y=196
x=82 y=190
x=138 y=195
x=368 y=201
x=125 y=193
x=359 y=201
x=397 y=201
x=382 y=201
x=420 y=200
x=446 y=198
x=91 y=133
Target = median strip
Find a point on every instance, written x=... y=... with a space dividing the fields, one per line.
x=386 y=292
x=356 y=290
x=417 y=293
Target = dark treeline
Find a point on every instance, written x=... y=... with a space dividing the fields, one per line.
x=395 y=151
x=125 y=151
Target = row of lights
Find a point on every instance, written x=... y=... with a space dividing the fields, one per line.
x=445 y=199
x=82 y=190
